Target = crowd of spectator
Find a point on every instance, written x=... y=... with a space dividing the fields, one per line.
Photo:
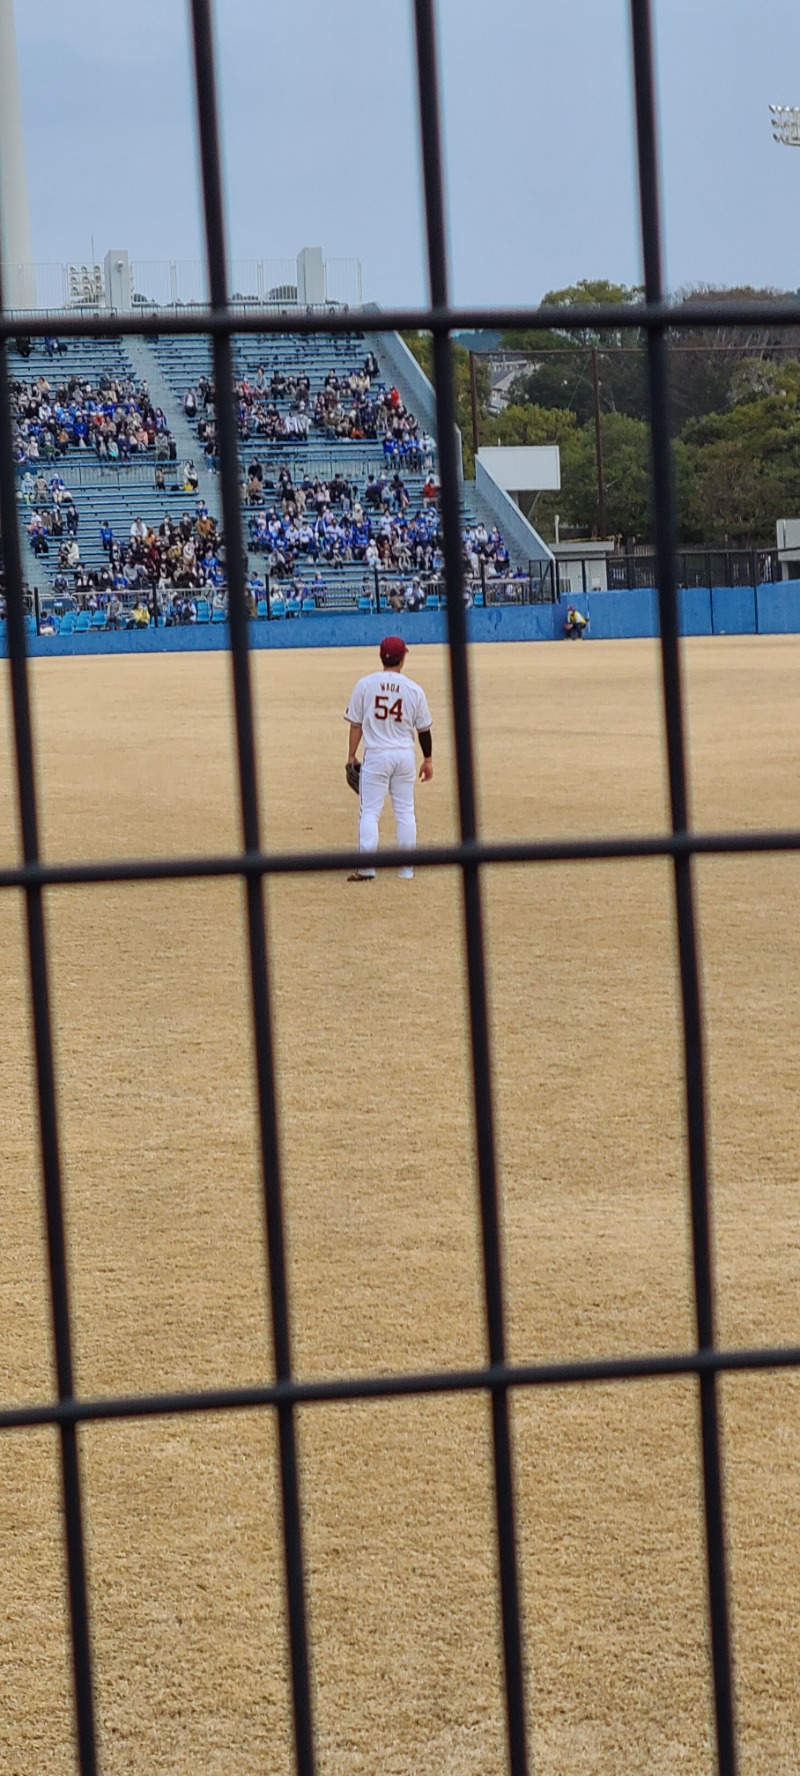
x=114 y=417
x=282 y=407
x=485 y=553
x=177 y=560
x=175 y=609
x=331 y=522
x=54 y=518
x=314 y=526
x=414 y=595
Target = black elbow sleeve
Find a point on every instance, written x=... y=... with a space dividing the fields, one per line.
x=426 y=742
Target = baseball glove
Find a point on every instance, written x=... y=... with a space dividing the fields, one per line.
x=352 y=772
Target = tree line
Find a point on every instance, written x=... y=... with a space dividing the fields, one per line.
x=735 y=420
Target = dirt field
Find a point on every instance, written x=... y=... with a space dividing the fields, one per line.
x=166 y=1244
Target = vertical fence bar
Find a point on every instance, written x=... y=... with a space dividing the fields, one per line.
x=228 y=449
x=431 y=142
x=694 y=1066
x=49 y=1141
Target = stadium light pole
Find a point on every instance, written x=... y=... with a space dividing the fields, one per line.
x=785 y=121
x=15 y=222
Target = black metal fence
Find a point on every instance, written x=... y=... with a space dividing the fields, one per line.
x=389 y=591
x=637 y=570
x=378 y=591
x=696 y=567
x=497 y=1377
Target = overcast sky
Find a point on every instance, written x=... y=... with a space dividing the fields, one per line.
x=321 y=137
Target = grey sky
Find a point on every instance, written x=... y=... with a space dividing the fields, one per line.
x=320 y=132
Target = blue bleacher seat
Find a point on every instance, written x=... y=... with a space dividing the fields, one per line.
x=3 y=629
x=203 y=611
x=82 y=622
x=218 y=615
x=309 y=604
x=364 y=602
x=478 y=599
x=292 y=607
x=67 y=623
x=278 y=607
x=98 y=619
x=261 y=608
x=30 y=623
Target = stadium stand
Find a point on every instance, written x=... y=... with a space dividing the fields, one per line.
x=339 y=482
x=95 y=405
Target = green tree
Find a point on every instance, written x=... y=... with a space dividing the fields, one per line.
x=739 y=471
x=735 y=418
x=706 y=362
x=626 y=453
x=523 y=423
x=626 y=459
x=588 y=292
x=561 y=373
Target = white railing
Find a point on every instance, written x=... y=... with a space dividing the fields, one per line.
x=183 y=283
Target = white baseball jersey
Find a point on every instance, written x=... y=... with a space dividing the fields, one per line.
x=390 y=708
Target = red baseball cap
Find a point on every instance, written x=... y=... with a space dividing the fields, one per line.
x=393 y=650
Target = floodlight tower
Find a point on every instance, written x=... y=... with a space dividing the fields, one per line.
x=786 y=125
x=19 y=280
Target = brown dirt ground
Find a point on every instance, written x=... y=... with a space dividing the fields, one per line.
x=166 y=1250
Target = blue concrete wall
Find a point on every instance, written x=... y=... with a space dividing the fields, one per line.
x=733 y=610
x=694 y=610
x=727 y=610
x=537 y=622
x=613 y=616
x=778 y=608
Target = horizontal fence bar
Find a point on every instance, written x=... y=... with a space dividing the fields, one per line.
x=456 y=856
x=339 y=1389
x=599 y=317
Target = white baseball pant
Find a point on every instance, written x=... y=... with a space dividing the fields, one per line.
x=393 y=770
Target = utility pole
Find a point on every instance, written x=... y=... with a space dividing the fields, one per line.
x=473 y=400
x=19 y=277
x=598 y=447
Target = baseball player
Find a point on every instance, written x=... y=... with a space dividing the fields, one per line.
x=386 y=710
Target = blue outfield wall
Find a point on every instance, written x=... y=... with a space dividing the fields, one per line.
x=613 y=616
x=538 y=622
x=733 y=610
x=694 y=610
x=777 y=608
x=727 y=610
